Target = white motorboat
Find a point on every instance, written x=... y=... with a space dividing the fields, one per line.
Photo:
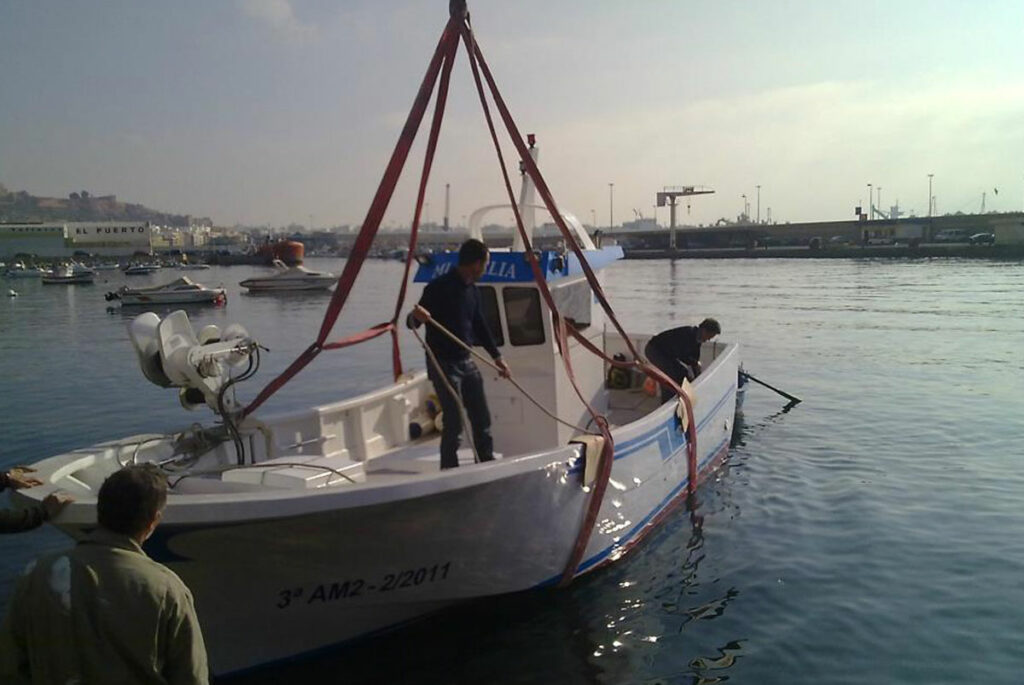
x=19 y=270
x=301 y=530
x=179 y=291
x=290 y=278
x=140 y=269
x=70 y=274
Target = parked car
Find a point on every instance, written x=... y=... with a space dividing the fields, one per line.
x=983 y=239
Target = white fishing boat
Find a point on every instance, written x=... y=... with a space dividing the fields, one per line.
x=69 y=274
x=301 y=530
x=308 y=529
x=179 y=291
x=290 y=278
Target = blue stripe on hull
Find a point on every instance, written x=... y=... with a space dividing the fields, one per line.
x=676 y=446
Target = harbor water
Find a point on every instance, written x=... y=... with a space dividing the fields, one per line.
x=874 y=533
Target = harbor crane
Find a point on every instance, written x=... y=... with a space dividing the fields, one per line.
x=668 y=196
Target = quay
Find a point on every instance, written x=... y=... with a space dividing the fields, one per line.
x=928 y=250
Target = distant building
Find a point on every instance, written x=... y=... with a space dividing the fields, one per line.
x=44 y=240
x=56 y=239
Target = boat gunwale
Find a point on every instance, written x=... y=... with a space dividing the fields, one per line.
x=242 y=506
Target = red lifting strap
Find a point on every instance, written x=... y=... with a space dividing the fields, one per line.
x=441 y=66
x=445 y=51
x=530 y=167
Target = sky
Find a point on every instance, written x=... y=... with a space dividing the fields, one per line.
x=280 y=111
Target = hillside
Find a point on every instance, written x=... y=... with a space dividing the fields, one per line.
x=19 y=205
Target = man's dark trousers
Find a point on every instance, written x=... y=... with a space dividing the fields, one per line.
x=466 y=380
x=674 y=368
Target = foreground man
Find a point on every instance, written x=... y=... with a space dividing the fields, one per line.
x=104 y=612
x=677 y=351
x=454 y=302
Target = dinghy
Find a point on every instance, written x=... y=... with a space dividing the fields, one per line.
x=179 y=291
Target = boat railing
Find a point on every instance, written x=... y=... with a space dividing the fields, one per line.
x=359 y=428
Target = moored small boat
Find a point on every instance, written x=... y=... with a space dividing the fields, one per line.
x=290 y=278
x=140 y=269
x=19 y=270
x=179 y=291
x=73 y=274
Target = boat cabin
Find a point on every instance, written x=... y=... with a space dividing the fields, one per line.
x=523 y=330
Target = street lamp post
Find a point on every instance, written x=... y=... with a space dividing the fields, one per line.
x=930 y=195
x=871 y=203
x=758 y=204
x=880 y=200
x=611 y=205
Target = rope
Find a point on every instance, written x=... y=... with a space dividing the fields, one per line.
x=457 y=395
x=447 y=45
x=608 y=450
x=458 y=341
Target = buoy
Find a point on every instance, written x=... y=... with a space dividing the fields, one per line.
x=651 y=386
x=420 y=426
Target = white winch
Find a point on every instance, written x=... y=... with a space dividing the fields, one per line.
x=172 y=355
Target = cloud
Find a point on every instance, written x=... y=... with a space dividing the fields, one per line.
x=279 y=16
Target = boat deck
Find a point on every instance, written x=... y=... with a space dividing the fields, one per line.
x=412 y=461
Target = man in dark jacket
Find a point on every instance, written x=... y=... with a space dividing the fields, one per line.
x=454 y=302
x=677 y=351
x=19 y=520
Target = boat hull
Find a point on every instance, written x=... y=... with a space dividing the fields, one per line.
x=129 y=299
x=273 y=580
x=78 y=279
x=279 y=573
x=282 y=285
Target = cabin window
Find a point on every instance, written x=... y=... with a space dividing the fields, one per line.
x=523 y=314
x=573 y=301
x=489 y=305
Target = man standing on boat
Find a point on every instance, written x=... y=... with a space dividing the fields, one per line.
x=453 y=301
x=104 y=612
x=677 y=351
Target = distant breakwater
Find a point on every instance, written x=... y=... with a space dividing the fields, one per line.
x=958 y=251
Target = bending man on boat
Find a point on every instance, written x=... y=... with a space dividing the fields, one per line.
x=677 y=351
x=453 y=301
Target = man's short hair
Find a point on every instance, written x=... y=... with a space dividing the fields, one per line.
x=711 y=325
x=471 y=252
x=130 y=499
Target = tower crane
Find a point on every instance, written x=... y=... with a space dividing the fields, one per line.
x=668 y=196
